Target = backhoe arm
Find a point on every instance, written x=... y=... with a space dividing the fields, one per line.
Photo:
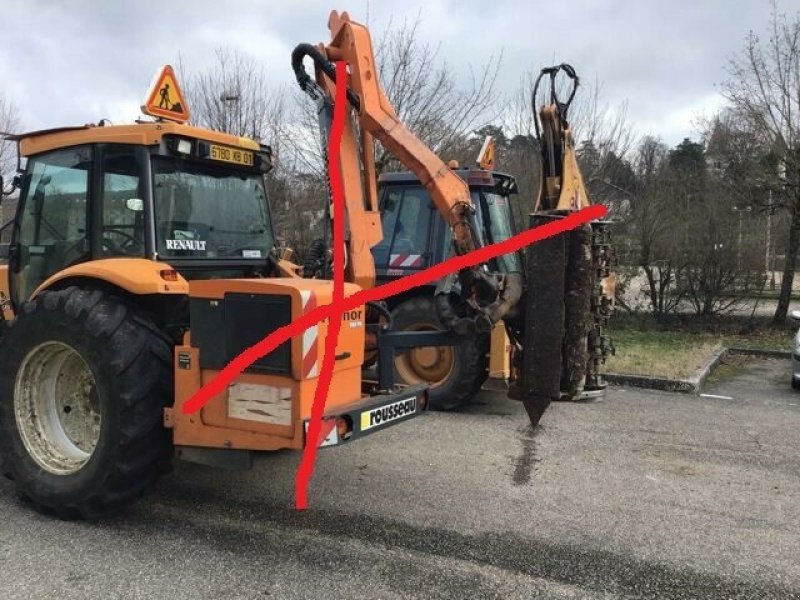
x=376 y=119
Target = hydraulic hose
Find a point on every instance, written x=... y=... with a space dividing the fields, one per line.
x=302 y=51
x=562 y=107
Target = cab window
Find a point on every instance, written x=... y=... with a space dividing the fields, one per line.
x=52 y=222
x=406 y=217
x=123 y=202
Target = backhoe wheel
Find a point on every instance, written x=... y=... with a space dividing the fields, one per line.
x=455 y=373
x=84 y=380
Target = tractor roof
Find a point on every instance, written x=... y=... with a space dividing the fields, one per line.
x=471 y=176
x=141 y=134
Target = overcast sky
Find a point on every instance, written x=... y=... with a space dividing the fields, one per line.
x=73 y=62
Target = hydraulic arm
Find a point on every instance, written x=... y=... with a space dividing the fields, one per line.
x=489 y=296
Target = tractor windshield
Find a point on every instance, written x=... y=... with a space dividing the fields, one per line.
x=209 y=211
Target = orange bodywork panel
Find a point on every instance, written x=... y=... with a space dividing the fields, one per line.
x=564 y=190
x=350 y=42
x=138 y=276
x=142 y=134
x=363 y=229
x=5 y=294
x=267 y=411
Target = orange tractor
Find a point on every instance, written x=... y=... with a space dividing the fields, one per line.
x=142 y=260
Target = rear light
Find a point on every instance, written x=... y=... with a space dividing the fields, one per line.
x=169 y=275
x=423 y=400
x=343 y=427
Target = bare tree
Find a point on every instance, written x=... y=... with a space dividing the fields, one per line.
x=430 y=98
x=234 y=95
x=649 y=227
x=9 y=123
x=717 y=268
x=763 y=90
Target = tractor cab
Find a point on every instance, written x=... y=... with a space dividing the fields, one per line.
x=416 y=237
x=142 y=271
x=161 y=191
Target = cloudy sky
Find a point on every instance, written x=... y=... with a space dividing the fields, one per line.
x=73 y=62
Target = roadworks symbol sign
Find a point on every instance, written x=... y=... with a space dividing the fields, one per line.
x=165 y=99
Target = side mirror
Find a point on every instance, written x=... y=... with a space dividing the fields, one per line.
x=795 y=315
x=134 y=204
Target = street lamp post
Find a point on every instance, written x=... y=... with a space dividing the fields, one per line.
x=739 y=241
x=768 y=270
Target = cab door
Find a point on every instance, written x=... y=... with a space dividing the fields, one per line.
x=50 y=233
x=406 y=216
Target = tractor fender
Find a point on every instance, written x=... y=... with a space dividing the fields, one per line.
x=138 y=276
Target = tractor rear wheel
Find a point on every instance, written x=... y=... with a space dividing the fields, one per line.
x=455 y=373
x=84 y=380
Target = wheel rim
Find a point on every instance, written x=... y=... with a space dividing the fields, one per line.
x=57 y=408
x=432 y=364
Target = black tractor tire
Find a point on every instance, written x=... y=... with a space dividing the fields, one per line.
x=126 y=365
x=453 y=385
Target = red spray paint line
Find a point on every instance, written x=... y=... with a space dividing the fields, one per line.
x=260 y=349
x=306 y=468
x=340 y=303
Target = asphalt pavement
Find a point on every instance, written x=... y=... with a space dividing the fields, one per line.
x=643 y=495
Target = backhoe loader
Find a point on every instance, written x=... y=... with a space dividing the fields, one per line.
x=553 y=303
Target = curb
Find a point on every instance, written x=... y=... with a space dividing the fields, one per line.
x=693 y=384
x=761 y=353
x=653 y=383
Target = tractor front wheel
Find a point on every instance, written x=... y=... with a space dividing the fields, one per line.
x=84 y=380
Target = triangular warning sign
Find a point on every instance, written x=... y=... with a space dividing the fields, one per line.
x=165 y=99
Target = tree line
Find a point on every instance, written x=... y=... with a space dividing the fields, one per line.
x=698 y=225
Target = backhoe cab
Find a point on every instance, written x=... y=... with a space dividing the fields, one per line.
x=415 y=237
x=141 y=263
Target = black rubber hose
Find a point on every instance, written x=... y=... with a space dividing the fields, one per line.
x=303 y=78
x=381 y=308
x=314 y=263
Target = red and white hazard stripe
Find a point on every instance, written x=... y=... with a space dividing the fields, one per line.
x=405 y=260
x=310 y=336
x=328 y=435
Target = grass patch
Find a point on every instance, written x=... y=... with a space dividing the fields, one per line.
x=729 y=368
x=676 y=354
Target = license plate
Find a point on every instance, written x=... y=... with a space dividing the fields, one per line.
x=386 y=414
x=231 y=155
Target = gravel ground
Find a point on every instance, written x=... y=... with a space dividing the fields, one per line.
x=644 y=495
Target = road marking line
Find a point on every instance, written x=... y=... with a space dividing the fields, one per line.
x=716 y=397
